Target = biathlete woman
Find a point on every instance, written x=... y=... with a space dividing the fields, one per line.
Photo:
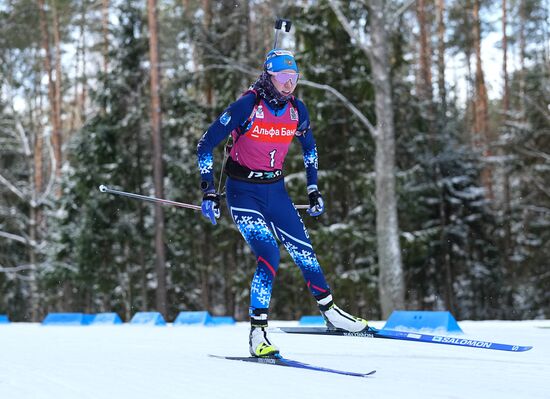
x=263 y=123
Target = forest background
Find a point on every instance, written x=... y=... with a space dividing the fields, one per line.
x=119 y=92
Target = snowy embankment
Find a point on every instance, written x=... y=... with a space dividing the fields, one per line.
x=134 y=362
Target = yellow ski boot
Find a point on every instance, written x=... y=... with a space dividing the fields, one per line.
x=260 y=345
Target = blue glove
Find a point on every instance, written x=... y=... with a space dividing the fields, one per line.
x=211 y=206
x=316 y=203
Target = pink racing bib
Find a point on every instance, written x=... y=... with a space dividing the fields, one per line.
x=265 y=144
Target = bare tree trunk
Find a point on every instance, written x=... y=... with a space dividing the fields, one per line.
x=35 y=216
x=35 y=177
x=506 y=88
x=481 y=107
x=426 y=96
x=391 y=283
x=469 y=114
x=522 y=45
x=441 y=57
x=425 y=84
x=84 y=77
x=33 y=235
x=157 y=156
x=264 y=39
x=37 y=161
x=504 y=175
x=75 y=114
x=208 y=16
x=425 y=90
x=58 y=132
x=143 y=267
x=208 y=89
x=202 y=249
x=105 y=29
x=54 y=113
x=230 y=270
x=442 y=121
x=38 y=143
x=204 y=273
x=125 y=281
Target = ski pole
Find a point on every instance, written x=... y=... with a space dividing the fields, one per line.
x=105 y=189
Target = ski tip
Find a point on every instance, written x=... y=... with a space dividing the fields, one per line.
x=524 y=348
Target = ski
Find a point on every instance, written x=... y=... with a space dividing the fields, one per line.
x=281 y=361
x=406 y=336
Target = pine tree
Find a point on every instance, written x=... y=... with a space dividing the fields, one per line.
x=103 y=244
x=23 y=163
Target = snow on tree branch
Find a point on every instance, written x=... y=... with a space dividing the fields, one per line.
x=24 y=139
x=15 y=269
x=12 y=188
x=335 y=6
x=14 y=237
x=345 y=101
x=51 y=178
x=402 y=9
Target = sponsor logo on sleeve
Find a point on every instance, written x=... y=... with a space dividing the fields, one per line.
x=225 y=118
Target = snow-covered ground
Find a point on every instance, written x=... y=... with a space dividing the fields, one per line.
x=134 y=362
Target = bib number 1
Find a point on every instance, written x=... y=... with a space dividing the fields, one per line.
x=272 y=155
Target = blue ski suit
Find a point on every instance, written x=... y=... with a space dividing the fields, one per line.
x=255 y=191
